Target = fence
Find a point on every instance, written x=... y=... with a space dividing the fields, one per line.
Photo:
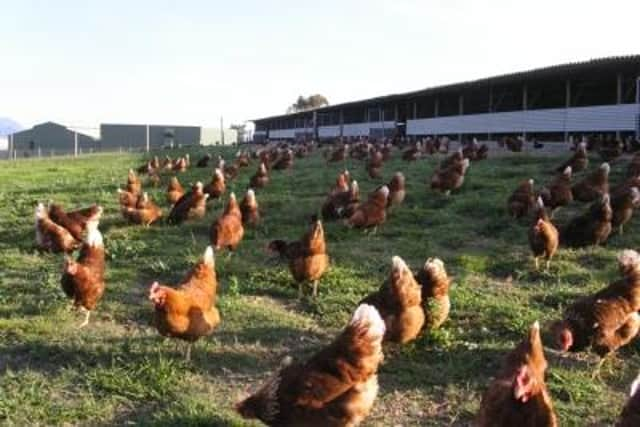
x=38 y=152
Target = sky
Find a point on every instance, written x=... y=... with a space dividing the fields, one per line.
x=82 y=63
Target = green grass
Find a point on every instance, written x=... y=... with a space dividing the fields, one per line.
x=118 y=370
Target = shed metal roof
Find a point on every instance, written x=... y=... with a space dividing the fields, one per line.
x=543 y=72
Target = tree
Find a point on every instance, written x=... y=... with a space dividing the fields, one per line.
x=308 y=103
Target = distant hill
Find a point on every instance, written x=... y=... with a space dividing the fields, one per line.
x=8 y=126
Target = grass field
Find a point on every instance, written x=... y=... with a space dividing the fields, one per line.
x=118 y=370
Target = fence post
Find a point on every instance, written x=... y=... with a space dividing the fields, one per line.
x=147 y=138
x=75 y=144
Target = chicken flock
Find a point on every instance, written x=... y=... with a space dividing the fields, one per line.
x=338 y=385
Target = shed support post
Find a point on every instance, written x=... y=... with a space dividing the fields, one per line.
x=315 y=126
x=489 y=110
x=567 y=104
x=525 y=104
x=460 y=112
x=618 y=97
x=638 y=107
x=396 y=118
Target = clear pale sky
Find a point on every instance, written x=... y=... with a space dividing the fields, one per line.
x=189 y=62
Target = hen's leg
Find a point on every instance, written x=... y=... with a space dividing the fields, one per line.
x=187 y=355
x=86 y=319
x=315 y=288
x=535 y=260
x=596 y=372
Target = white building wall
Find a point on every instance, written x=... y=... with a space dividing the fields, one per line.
x=328 y=131
x=212 y=136
x=284 y=133
x=612 y=118
x=363 y=129
x=578 y=119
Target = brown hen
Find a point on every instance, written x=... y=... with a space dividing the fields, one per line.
x=261 y=178
x=522 y=200
x=216 y=188
x=592 y=186
x=307 y=257
x=543 y=236
x=174 y=191
x=435 y=293
x=606 y=320
x=188 y=311
x=250 y=210
x=227 y=231
x=51 y=236
x=371 y=213
x=399 y=302
x=519 y=396
x=193 y=205
x=83 y=279
x=335 y=388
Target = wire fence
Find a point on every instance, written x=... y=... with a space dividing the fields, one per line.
x=43 y=153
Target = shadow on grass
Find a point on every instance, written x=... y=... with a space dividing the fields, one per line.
x=189 y=420
x=428 y=368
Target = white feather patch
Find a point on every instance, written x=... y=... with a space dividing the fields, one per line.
x=367 y=315
x=94 y=237
x=208 y=256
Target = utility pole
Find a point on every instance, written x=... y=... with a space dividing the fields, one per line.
x=147 y=140
x=221 y=130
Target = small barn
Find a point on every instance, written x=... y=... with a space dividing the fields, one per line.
x=136 y=136
x=50 y=138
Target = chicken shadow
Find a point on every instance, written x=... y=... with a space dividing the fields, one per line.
x=51 y=359
x=148 y=416
x=428 y=368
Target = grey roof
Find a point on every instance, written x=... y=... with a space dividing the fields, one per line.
x=50 y=123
